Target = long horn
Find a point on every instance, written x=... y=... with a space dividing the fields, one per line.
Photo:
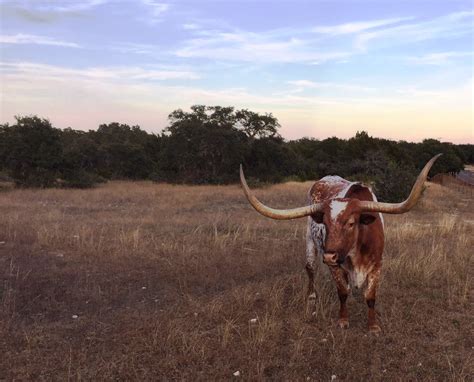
x=407 y=205
x=273 y=213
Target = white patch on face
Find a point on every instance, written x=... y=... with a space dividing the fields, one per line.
x=336 y=208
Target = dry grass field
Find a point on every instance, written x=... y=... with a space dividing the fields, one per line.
x=138 y=281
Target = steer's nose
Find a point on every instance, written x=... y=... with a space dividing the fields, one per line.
x=330 y=258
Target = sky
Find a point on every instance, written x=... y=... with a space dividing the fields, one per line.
x=400 y=70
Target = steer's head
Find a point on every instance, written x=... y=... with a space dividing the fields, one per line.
x=342 y=218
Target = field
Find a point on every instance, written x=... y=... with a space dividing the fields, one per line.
x=139 y=281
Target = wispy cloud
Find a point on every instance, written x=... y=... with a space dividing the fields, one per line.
x=63 y=6
x=448 y=26
x=36 y=40
x=123 y=74
x=156 y=10
x=150 y=80
x=83 y=98
x=255 y=47
x=415 y=92
x=306 y=84
x=44 y=11
x=439 y=58
x=191 y=26
x=135 y=48
x=357 y=27
x=311 y=44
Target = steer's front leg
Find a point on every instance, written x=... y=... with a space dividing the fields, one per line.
x=341 y=279
x=372 y=284
x=310 y=260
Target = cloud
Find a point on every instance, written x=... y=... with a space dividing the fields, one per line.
x=47 y=11
x=255 y=47
x=36 y=40
x=135 y=48
x=65 y=6
x=156 y=9
x=119 y=81
x=83 y=98
x=308 y=45
x=440 y=58
x=191 y=26
x=33 y=16
x=315 y=45
x=356 y=27
x=57 y=6
x=306 y=84
x=448 y=26
x=119 y=74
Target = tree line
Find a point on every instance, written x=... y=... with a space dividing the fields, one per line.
x=205 y=146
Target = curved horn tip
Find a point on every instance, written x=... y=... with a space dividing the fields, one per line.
x=241 y=170
x=436 y=156
x=430 y=163
x=242 y=176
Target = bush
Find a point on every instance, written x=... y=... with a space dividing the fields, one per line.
x=31 y=151
x=206 y=146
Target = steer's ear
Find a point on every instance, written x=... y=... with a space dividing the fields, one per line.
x=366 y=219
x=318 y=217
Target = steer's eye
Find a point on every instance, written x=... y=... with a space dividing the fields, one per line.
x=350 y=224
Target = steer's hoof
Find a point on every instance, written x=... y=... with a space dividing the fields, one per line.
x=374 y=329
x=343 y=323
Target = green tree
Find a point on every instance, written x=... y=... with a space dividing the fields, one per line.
x=271 y=160
x=31 y=151
x=390 y=180
x=449 y=162
x=207 y=144
x=81 y=159
x=201 y=115
x=466 y=153
x=125 y=152
x=202 y=146
x=255 y=125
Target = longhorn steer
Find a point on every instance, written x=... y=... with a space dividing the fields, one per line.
x=345 y=227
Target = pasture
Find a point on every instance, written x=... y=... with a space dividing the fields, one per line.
x=142 y=281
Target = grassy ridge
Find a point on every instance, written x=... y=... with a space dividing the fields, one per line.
x=164 y=281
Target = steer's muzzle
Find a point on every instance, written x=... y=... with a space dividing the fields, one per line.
x=331 y=258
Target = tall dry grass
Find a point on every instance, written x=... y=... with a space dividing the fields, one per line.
x=159 y=282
